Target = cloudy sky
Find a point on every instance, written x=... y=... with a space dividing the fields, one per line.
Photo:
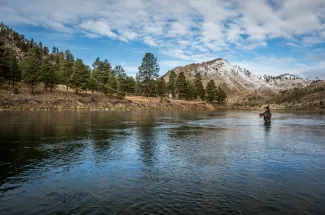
x=264 y=36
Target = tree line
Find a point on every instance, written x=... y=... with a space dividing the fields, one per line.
x=33 y=64
x=178 y=86
x=181 y=88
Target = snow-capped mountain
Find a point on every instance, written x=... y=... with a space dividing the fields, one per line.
x=238 y=81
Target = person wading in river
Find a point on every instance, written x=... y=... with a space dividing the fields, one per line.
x=267 y=115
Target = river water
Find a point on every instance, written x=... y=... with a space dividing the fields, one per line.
x=161 y=163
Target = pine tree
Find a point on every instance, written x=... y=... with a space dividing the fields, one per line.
x=161 y=87
x=119 y=71
x=24 y=46
x=149 y=68
x=149 y=88
x=68 y=56
x=181 y=86
x=80 y=76
x=92 y=84
x=10 y=69
x=15 y=72
x=46 y=50
x=191 y=90
x=112 y=84
x=57 y=58
x=130 y=85
x=64 y=74
x=120 y=79
x=148 y=71
x=39 y=52
x=138 y=86
x=200 y=92
x=101 y=72
x=5 y=58
x=32 y=43
x=221 y=95
x=211 y=91
x=31 y=68
x=40 y=45
x=48 y=75
x=66 y=67
x=52 y=79
x=3 y=67
x=96 y=63
x=171 y=83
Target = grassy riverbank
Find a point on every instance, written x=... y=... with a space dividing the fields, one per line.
x=62 y=99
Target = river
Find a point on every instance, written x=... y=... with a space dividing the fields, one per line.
x=152 y=162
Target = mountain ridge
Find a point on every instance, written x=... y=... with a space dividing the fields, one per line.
x=239 y=82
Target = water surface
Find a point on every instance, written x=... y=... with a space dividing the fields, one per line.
x=161 y=163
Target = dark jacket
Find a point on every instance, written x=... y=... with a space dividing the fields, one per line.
x=267 y=115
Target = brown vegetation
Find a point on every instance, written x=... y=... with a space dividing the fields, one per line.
x=310 y=97
x=61 y=98
x=19 y=97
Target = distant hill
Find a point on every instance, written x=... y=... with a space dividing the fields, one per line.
x=239 y=82
x=19 y=43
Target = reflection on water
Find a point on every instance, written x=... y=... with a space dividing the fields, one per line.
x=267 y=128
x=161 y=162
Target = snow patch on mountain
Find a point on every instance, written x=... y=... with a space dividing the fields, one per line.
x=236 y=80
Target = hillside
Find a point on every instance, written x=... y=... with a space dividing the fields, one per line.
x=238 y=82
x=24 y=60
x=62 y=99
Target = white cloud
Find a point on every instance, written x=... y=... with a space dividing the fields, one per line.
x=234 y=33
x=322 y=34
x=293 y=44
x=149 y=40
x=189 y=30
x=173 y=63
x=313 y=73
x=129 y=35
x=276 y=66
x=261 y=69
x=253 y=45
x=176 y=53
x=91 y=35
x=311 y=40
x=256 y=18
x=177 y=29
x=100 y=27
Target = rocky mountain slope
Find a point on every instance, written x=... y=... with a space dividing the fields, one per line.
x=238 y=82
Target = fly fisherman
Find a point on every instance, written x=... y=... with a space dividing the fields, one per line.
x=267 y=115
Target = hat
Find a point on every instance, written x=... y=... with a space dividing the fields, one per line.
x=267 y=107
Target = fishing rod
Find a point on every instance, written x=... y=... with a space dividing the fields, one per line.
x=119 y=91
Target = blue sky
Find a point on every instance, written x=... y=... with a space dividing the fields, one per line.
x=265 y=36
